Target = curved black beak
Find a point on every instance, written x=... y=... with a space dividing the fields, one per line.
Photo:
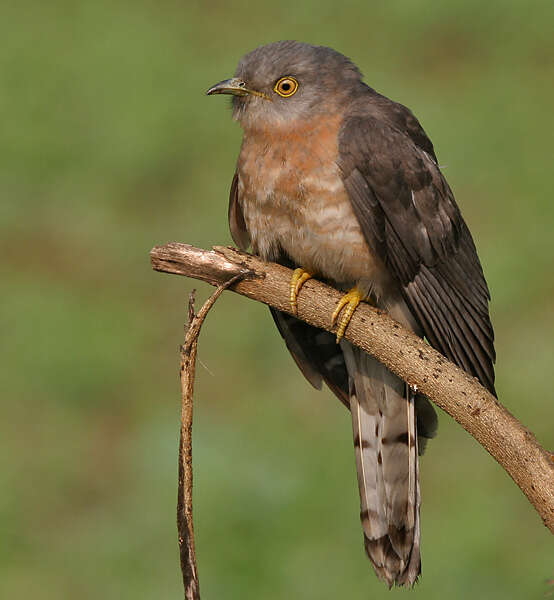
x=234 y=87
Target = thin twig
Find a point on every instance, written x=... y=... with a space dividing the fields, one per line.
x=185 y=526
x=449 y=387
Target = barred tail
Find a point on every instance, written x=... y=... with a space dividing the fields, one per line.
x=385 y=441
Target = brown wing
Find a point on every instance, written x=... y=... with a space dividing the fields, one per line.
x=409 y=217
x=316 y=353
x=237 y=224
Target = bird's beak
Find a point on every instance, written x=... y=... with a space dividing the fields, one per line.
x=235 y=87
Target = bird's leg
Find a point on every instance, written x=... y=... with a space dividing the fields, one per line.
x=351 y=301
x=298 y=279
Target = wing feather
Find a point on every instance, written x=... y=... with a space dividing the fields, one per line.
x=237 y=225
x=409 y=217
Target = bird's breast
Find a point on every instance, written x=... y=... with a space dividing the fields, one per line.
x=293 y=200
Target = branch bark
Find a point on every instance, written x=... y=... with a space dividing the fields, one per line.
x=408 y=356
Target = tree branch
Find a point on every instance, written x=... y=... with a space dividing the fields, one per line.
x=185 y=528
x=408 y=356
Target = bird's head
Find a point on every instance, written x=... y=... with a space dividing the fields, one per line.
x=281 y=82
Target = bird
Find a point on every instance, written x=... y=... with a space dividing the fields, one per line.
x=342 y=184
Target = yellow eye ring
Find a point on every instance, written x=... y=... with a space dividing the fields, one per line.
x=286 y=87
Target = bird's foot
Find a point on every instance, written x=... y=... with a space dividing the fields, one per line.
x=351 y=301
x=298 y=279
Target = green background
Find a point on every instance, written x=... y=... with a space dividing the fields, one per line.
x=108 y=147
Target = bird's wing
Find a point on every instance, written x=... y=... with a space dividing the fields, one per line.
x=316 y=353
x=409 y=217
x=237 y=225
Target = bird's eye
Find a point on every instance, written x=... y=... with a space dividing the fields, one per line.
x=286 y=87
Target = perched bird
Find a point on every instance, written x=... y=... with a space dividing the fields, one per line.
x=341 y=183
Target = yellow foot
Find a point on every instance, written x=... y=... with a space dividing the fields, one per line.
x=351 y=301
x=298 y=279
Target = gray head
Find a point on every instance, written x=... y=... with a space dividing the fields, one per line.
x=287 y=80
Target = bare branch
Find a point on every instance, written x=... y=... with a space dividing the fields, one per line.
x=450 y=388
x=184 y=495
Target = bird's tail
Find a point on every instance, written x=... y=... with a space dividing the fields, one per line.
x=386 y=446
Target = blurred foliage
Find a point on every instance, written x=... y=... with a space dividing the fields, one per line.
x=109 y=147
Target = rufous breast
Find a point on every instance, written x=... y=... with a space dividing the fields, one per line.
x=293 y=200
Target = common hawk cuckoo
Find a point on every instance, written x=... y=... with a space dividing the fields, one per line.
x=341 y=183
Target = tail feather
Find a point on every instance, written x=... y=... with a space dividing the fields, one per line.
x=385 y=440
